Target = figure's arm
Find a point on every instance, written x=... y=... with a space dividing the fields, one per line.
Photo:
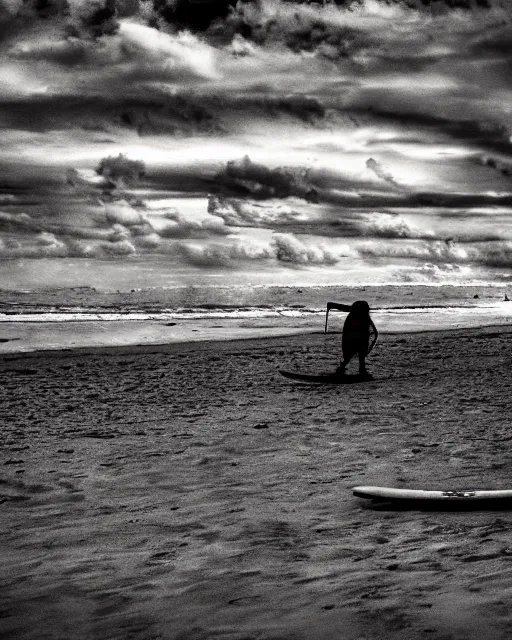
x=338 y=307
x=375 y=335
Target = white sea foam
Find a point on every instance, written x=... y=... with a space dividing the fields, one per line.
x=485 y=310
x=35 y=332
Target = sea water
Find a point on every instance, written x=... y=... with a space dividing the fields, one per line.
x=83 y=317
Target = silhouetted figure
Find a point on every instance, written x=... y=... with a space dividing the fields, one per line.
x=356 y=334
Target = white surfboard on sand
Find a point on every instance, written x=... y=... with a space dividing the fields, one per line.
x=390 y=493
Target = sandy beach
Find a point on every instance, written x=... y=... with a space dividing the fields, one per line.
x=189 y=491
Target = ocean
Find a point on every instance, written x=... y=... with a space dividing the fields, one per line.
x=82 y=317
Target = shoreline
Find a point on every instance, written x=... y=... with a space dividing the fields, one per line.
x=26 y=337
x=193 y=314
x=220 y=344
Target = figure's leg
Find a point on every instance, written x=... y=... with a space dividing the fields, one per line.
x=347 y=357
x=363 y=371
x=362 y=363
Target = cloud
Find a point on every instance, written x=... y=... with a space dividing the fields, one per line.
x=290 y=249
x=243 y=213
x=497 y=254
x=384 y=225
x=120 y=248
x=486 y=254
x=181 y=55
x=304 y=108
x=379 y=171
x=332 y=222
x=431 y=272
x=297 y=29
x=224 y=255
x=69 y=52
x=123 y=220
x=505 y=168
x=259 y=181
x=112 y=229
x=149 y=241
x=425 y=117
x=180 y=227
x=121 y=212
x=183 y=114
x=92 y=18
x=52 y=234
x=85 y=186
x=120 y=171
x=123 y=64
x=284 y=247
x=437 y=251
x=48 y=245
x=182 y=14
x=425 y=96
x=10 y=8
x=240 y=47
x=496 y=42
x=18 y=222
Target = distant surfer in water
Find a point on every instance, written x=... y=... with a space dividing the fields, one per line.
x=356 y=334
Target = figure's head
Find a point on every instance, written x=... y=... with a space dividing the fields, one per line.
x=360 y=308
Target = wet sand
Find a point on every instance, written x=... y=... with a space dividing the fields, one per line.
x=46 y=333
x=189 y=491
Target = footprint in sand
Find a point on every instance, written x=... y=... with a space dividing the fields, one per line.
x=161 y=558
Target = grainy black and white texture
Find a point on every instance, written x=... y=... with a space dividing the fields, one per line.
x=189 y=491
x=236 y=158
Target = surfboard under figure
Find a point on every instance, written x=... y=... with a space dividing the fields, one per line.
x=357 y=329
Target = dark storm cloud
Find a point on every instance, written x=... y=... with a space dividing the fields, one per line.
x=185 y=14
x=495 y=42
x=182 y=114
x=262 y=23
x=259 y=181
x=91 y=18
x=484 y=134
x=305 y=108
x=256 y=180
x=128 y=61
x=250 y=180
x=459 y=201
x=77 y=70
x=497 y=255
x=145 y=116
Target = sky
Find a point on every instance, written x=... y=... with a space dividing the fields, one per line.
x=160 y=143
